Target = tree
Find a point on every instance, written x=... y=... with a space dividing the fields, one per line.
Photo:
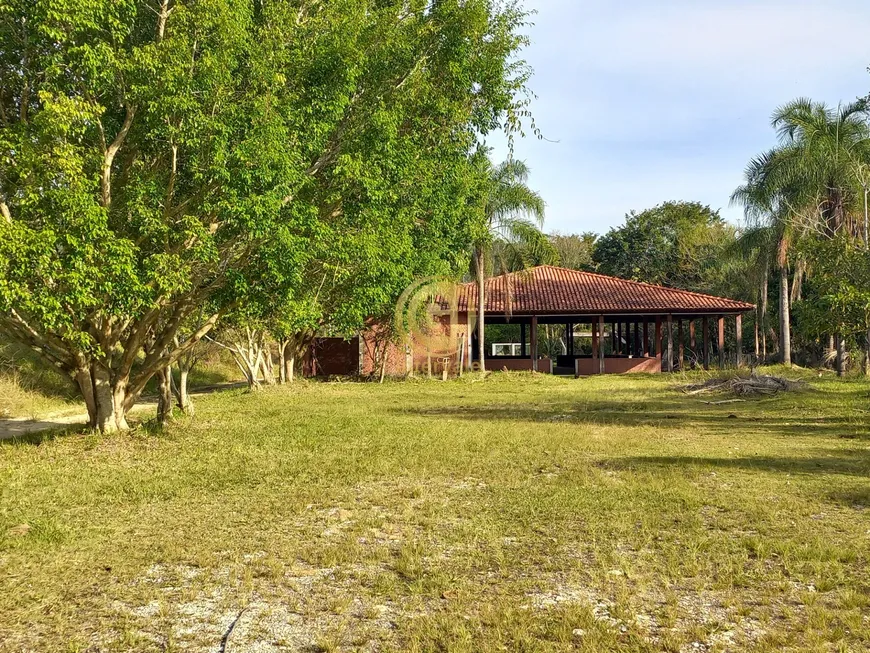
x=808 y=184
x=747 y=263
x=575 y=251
x=511 y=216
x=153 y=161
x=677 y=244
x=838 y=291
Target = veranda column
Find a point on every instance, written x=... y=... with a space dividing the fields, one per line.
x=669 y=365
x=692 y=334
x=738 y=324
x=637 y=351
x=658 y=338
x=614 y=327
x=681 y=347
x=601 y=367
x=705 y=327
x=645 y=338
x=596 y=346
x=534 y=343
x=721 y=341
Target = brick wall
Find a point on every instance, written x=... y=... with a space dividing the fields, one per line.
x=409 y=356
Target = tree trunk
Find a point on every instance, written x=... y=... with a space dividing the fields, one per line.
x=282 y=361
x=164 y=396
x=481 y=302
x=109 y=400
x=763 y=319
x=384 y=361
x=291 y=367
x=85 y=383
x=867 y=353
x=840 y=343
x=120 y=408
x=250 y=370
x=253 y=372
x=185 y=403
x=247 y=352
x=784 y=319
x=757 y=342
x=267 y=365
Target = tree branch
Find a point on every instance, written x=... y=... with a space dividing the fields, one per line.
x=20 y=329
x=110 y=153
x=156 y=361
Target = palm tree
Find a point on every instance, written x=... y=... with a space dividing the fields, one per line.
x=747 y=264
x=512 y=217
x=808 y=184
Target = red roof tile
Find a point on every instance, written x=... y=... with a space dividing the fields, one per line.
x=548 y=289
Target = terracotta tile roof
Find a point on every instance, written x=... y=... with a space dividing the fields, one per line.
x=552 y=290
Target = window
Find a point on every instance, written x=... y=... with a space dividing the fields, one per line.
x=507 y=349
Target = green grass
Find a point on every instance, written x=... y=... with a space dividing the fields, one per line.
x=517 y=513
x=29 y=388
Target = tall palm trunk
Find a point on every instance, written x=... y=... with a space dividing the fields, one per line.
x=784 y=318
x=764 y=312
x=481 y=301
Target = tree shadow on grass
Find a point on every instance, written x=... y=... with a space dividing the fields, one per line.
x=48 y=430
x=854 y=462
x=858 y=497
x=729 y=419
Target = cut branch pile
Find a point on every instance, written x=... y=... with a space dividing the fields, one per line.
x=754 y=384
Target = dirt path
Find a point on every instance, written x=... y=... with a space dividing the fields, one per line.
x=17 y=427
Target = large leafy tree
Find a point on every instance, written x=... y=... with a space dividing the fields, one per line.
x=511 y=217
x=675 y=244
x=157 y=156
x=575 y=251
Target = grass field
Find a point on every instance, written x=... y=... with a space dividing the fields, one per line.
x=516 y=513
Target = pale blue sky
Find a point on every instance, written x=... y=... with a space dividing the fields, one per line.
x=655 y=100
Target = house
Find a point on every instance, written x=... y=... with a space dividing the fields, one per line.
x=555 y=320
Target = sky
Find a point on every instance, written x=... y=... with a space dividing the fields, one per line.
x=645 y=101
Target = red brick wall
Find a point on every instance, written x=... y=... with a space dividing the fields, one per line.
x=333 y=357
x=409 y=353
x=649 y=365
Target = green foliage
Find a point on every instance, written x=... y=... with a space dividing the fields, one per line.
x=155 y=158
x=812 y=179
x=509 y=218
x=837 y=292
x=677 y=244
x=575 y=251
x=808 y=189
